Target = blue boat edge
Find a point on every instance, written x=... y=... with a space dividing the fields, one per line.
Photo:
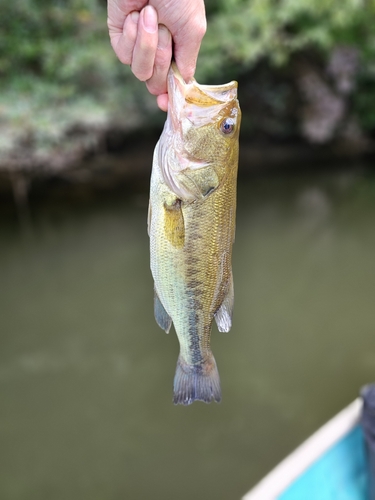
x=330 y=464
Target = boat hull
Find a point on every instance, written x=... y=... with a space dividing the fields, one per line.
x=330 y=465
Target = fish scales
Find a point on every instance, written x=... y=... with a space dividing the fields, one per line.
x=191 y=226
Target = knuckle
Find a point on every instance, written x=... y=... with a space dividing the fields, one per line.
x=201 y=27
x=125 y=59
x=163 y=59
x=202 y=30
x=143 y=76
x=152 y=88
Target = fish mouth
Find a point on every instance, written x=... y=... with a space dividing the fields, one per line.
x=193 y=104
x=196 y=94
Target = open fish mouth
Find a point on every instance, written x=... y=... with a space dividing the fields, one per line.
x=202 y=95
x=195 y=102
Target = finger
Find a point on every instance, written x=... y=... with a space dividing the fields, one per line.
x=162 y=101
x=123 y=44
x=157 y=84
x=146 y=44
x=187 y=43
x=118 y=10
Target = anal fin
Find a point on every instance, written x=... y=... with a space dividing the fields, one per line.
x=223 y=316
x=161 y=316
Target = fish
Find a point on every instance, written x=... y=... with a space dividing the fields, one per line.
x=191 y=226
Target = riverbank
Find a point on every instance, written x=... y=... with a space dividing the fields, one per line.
x=117 y=160
x=292 y=117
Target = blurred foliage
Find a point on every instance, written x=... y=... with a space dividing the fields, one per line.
x=242 y=33
x=57 y=69
x=60 y=41
x=245 y=31
x=57 y=66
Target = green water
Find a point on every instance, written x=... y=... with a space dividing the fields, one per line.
x=86 y=375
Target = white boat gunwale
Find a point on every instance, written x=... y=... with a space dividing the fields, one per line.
x=295 y=464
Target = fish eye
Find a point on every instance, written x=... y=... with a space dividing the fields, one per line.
x=227 y=126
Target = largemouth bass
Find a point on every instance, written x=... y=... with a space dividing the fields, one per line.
x=191 y=225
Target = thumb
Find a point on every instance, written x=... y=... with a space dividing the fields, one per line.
x=187 y=42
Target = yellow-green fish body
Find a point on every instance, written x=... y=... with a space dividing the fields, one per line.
x=192 y=225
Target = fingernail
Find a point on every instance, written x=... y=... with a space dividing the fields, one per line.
x=135 y=16
x=164 y=37
x=150 y=19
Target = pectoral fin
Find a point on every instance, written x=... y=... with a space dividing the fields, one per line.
x=162 y=317
x=223 y=316
x=174 y=226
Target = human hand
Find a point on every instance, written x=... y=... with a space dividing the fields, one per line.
x=141 y=35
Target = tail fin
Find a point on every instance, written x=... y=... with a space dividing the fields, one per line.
x=196 y=382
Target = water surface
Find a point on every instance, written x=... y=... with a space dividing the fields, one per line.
x=86 y=375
